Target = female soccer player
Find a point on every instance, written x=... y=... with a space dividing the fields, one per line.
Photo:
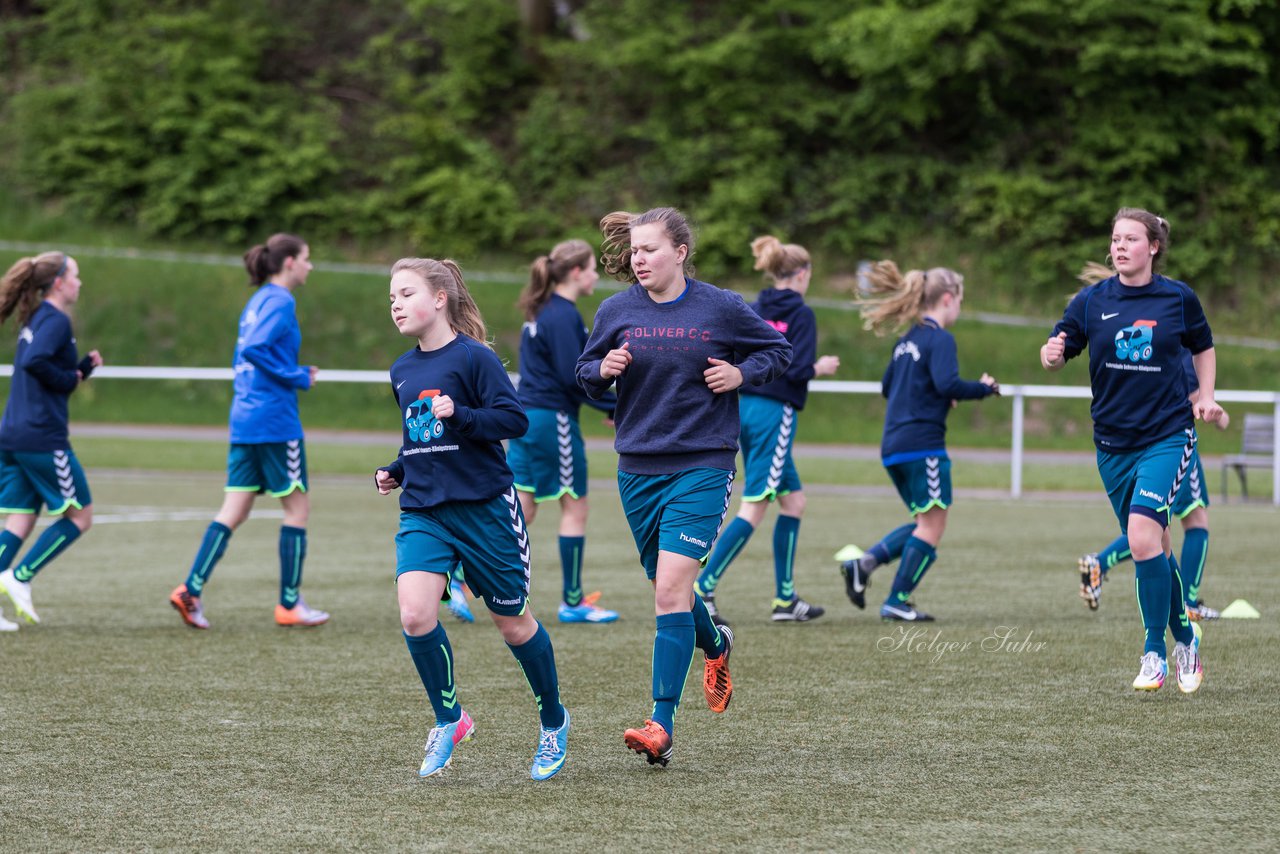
x=550 y=461
x=458 y=504
x=37 y=464
x=769 y=416
x=267 y=452
x=921 y=383
x=1136 y=325
x=678 y=350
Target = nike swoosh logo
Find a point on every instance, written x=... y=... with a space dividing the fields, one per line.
x=546 y=769
x=1106 y=316
x=402 y=382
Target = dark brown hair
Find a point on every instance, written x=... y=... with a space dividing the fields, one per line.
x=1157 y=231
x=266 y=259
x=547 y=271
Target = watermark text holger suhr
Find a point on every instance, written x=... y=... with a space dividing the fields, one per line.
x=918 y=640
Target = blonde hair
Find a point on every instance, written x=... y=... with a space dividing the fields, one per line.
x=547 y=271
x=905 y=297
x=615 y=251
x=445 y=277
x=27 y=283
x=779 y=260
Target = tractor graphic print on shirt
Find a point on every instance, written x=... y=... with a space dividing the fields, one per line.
x=423 y=426
x=1134 y=342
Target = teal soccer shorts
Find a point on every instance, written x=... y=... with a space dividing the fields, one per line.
x=487 y=537
x=1140 y=481
x=678 y=512
x=276 y=468
x=1193 y=492
x=768 y=429
x=924 y=483
x=550 y=459
x=54 y=478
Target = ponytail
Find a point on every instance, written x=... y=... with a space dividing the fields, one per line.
x=27 y=282
x=266 y=259
x=547 y=271
x=905 y=297
x=779 y=260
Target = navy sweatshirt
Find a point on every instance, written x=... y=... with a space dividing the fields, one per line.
x=44 y=375
x=667 y=419
x=1136 y=337
x=922 y=379
x=549 y=349
x=460 y=458
x=786 y=312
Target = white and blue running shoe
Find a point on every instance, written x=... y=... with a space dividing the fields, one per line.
x=553 y=746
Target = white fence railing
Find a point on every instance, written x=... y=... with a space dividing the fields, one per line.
x=1017 y=394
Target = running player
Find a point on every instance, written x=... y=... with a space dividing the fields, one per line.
x=458 y=505
x=37 y=464
x=769 y=421
x=267 y=454
x=678 y=350
x=1136 y=325
x=550 y=460
x=922 y=384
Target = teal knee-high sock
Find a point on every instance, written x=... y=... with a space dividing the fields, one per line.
x=1154 y=580
x=672 y=655
x=537 y=659
x=1179 y=622
x=293 y=551
x=571 y=568
x=785 y=534
x=9 y=545
x=433 y=657
x=706 y=634
x=1195 y=551
x=212 y=548
x=917 y=557
x=49 y=545
x=728 y=545
x=1115 y=552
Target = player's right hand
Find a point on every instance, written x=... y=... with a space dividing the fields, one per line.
x=384 y=481
x=615 y=361
x=1052 y=354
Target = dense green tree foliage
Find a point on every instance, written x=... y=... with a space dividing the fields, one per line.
x=1013 y=127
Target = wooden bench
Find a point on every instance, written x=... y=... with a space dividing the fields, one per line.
x=1256 y=450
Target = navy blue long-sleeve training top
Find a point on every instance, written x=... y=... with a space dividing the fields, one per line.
x=667 y=419
x=922 y=379
x=44 y=375
x=1136 y=337
x=460 y=458
x=549 y=349
x=786 y=312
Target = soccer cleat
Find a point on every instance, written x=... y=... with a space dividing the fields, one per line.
x=651 y=741
x=797 y=611
x=1151 y=676
x=188 y=607
x=7 y=625
x=587 y=611
x=20 y=593
x=857 y=574
x=300 y=614
x=553 y=746
x=466 y=729
x=1090 y=580
x=457 y=603
x=1187 y=666
x=1200 y=611
x=440 y=744
x=906 y=613
x=716 y=682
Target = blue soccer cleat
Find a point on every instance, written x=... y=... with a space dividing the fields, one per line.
x=440 y=743
x=586 y=611
x=458 y=602
x=553 y=746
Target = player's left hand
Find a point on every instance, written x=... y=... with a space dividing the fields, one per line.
x=96 y=358
x=721 y=376
x=442 y=406
x=1207 y=409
